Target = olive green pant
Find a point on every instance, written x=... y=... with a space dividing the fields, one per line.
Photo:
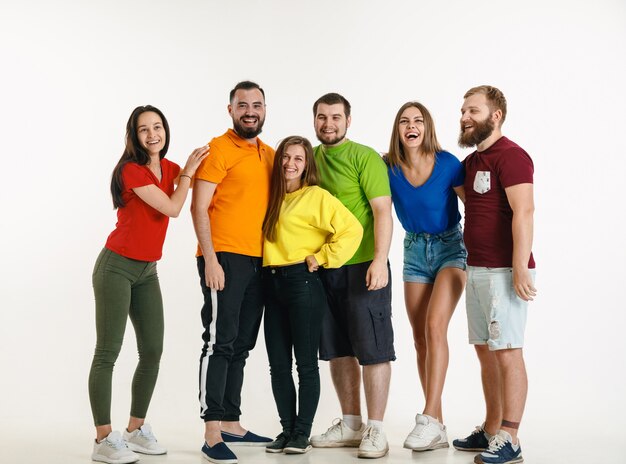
x=125 y=287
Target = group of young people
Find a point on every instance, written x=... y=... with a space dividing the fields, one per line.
x=304 y=233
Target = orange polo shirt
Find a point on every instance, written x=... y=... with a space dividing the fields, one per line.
x=242 y=173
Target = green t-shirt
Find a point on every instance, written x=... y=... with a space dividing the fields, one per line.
x=354 y=174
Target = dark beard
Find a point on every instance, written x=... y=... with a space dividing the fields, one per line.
x=482 y=130
x=246 y=133
x=334 y=141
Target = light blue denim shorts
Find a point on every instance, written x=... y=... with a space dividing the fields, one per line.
x=496 y=316
x=426 y=254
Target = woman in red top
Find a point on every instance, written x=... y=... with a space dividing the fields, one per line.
x=125 y=278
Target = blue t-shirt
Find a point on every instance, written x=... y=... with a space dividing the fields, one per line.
x=432 y=207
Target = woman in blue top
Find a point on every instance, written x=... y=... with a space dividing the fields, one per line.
x=425 y=182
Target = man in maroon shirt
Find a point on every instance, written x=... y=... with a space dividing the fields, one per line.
x=498 y=235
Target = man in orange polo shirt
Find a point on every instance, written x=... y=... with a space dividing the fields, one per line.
x=232 y=186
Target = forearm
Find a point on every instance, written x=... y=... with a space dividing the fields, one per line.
x=522 y=228
x=177 y=200
x=383 y=230
x=202 y=226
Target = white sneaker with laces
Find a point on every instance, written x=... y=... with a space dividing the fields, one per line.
x=142 y=440
x=373 y=444
x=113 y=450
x=428 y=434
x=338 y=435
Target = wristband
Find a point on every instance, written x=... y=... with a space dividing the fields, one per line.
x=185 y=175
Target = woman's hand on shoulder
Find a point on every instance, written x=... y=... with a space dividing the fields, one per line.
x=194 y=160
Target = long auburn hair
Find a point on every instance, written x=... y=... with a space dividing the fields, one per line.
x=430 y=145
x=279 y=183
x=134 y=152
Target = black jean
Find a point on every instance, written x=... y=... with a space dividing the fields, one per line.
x=295 y=303
x=231 y=320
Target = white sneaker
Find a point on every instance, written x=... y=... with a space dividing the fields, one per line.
x=373 y=444
x=142 y=440
x=113 y=450
x=428 y=434
x=338 y=435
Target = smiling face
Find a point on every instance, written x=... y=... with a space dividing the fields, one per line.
x=247 y=109
x=411 y=128
x=477 y=120
x=331 y=123
x=294 y=166
x=151 y=133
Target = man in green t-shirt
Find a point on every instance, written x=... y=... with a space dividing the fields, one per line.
x=358 y=328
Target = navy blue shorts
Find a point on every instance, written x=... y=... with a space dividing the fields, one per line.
x=358 y=322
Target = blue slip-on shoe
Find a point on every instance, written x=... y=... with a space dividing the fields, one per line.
x=219 y=453
x=501 y=451
x=249 y=439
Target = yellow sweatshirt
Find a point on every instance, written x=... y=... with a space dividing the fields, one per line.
x=313 y=222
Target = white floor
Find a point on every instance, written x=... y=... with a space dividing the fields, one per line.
x=65 y=447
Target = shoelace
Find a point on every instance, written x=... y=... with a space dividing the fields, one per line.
x=147 y=435
x=477 y=430
x=336 y=425
x=116 y=444
x=371 y=433
x=496 y=443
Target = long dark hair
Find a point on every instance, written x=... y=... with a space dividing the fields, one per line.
x=279 y=184
x=134 y=152
x=430 y=145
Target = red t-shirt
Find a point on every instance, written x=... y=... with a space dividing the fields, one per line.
x=140 y=230
x=488 y=216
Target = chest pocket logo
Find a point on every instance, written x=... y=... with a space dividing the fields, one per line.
x=482 y=182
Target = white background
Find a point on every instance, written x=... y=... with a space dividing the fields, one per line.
x=73 y=71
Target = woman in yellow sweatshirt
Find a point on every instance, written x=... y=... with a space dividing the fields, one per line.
x=305 y=228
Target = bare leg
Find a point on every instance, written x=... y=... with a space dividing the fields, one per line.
x=514 y=387
x=376 y=378
x=233 y=427
x=102 y=431
x=492 y=388
x=445 y=295
x=212 y=433
x=416 y=298
x=134 y=423
x=346 y=375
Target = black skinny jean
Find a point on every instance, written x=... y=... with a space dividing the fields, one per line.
x=295 y=303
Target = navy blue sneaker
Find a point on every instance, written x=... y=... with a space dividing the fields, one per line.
x=219 y=454
x=478 y=440
x=501 y=451
x=249 y=439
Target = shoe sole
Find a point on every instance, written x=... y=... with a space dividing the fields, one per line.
x=142 y=450
x=274 y=450
x=372 y=454
x=428 y=448
x=219 y=461
x=338 y=444
x=478 y=460
x=290 y=450
x=247 y=443
x=469 y=449
x=100 y=458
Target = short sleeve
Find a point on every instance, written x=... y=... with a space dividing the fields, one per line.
x=373 y=176
x=135 y=176
x=213 y=168
x=516 y=167
x=458 y=178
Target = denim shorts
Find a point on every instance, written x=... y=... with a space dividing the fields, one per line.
x=426 y=254
x=496 y=316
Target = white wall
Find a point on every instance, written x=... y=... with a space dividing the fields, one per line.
x=73 y=71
